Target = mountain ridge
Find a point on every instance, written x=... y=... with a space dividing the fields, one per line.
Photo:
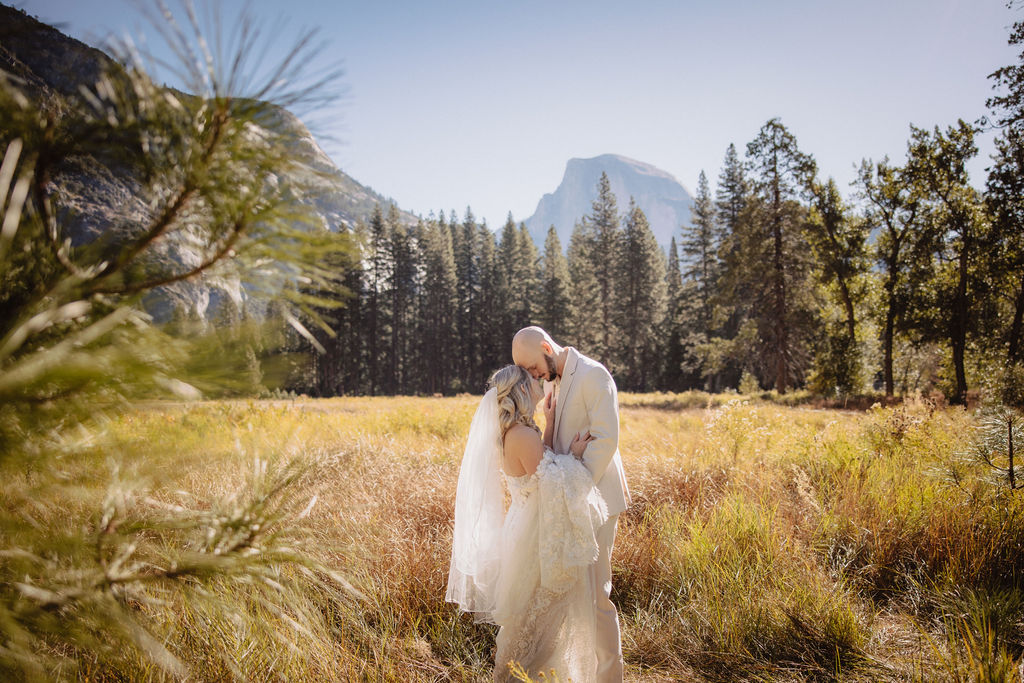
x=665 y=201
x=98 y=195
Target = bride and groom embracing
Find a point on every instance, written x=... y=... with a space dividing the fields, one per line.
x=542 y=570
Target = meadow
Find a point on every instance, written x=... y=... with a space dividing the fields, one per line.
x=766 y=542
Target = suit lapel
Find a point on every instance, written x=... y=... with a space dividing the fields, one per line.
x=568 y=372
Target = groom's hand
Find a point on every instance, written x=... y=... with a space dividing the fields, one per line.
x=579 y=444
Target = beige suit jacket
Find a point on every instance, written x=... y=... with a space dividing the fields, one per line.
x=588 y=400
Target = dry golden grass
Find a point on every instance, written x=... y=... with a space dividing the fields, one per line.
x=765 y=542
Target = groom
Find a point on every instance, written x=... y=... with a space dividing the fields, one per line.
x=586 y=399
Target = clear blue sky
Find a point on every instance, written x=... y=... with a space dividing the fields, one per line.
x=478 y=103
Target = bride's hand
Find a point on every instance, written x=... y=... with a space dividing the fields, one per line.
x=579 y=444
x=549 y=408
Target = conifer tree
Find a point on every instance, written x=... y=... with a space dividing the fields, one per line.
x=1005 y=198
x=454 y=229
x=721 y=358
x=509 y=254
x=438 y=338
x=1008 y=104
x=731 y=198
x=341 y=355
x=350 y=343
x=209 y=170
x=554 y=310
x=378 y=283
x=494 y=346
x=527 y=277
x=700 y=246
x=640 y=302
x=403 y=293
x=468 y=278
x=583 y=330
x=672 y=327
x=781 y=174
x=606 y=240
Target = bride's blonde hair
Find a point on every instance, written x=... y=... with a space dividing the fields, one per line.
x=515 y=405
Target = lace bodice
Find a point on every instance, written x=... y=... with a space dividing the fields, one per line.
x=521 y=488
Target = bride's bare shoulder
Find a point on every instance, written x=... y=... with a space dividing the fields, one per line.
x=523 y=447
x=521 y=436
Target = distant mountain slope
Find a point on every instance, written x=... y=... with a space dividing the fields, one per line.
x=663 y=198
x=53 y=66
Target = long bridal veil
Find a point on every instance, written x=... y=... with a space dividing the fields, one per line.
x=479 y=514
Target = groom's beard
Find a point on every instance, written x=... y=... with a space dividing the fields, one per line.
x=552 y=371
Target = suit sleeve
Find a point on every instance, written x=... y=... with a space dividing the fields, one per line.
x=601 y=400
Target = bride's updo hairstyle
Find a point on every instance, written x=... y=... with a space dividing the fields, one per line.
x=515 y=406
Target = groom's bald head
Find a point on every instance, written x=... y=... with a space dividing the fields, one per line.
x=534 y=350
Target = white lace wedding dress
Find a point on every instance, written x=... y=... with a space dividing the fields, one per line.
x=544 y=598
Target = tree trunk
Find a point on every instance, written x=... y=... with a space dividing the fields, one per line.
x=395 y=331
x=890 y=325
x=960 y=398
x=373 y=339
x=851 y=323
x=1013 y=353
x=958 y=331
x=892 y=263
x=781 y=331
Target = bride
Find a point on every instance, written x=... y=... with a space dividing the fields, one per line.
x=526 y=570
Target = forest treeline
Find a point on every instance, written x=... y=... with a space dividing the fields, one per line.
x=914 y=282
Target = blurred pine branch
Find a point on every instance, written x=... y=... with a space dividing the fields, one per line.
x=210 y=197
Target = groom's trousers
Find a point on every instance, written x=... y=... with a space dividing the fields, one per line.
x=609 y=642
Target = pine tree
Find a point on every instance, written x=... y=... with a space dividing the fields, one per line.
x=1008 y=105
x=493 y=302
x=403 y=293
x=378 y=282
x=781 y=173
x=554 y=311
x=606 y=232
x=342 y=348
x=468 y=278
x=700 y=246
x=1005 y=198
x=672 y=330
x=351 y=345
x=722 y=359
x=438 y=338
x=76 y=593
x=527 y=277
x=731 y=196
x=512 y=315
x=583 y=329
x=639 y=302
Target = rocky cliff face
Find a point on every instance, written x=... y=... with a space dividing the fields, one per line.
x=96 y=194
x=661 y=197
